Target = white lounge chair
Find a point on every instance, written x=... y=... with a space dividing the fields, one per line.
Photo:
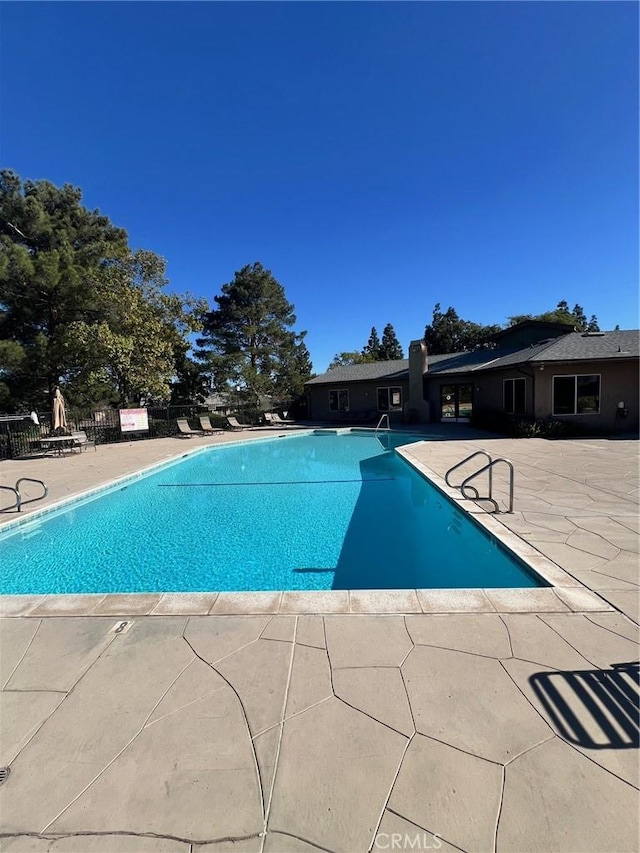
x=234 y=425
x=207 y=427
x=276 y=420
x=185 y=430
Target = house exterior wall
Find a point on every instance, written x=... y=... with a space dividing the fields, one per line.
x=618 y=383
x=489 y=390
x=363 y=401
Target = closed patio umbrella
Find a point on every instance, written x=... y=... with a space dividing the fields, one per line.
x=59 y=417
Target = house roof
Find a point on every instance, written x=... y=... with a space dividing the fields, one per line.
x=554 y=328
x=508 y=358
x=463 y=362
x=590 y=345
x=574 y=346
x=374 y=370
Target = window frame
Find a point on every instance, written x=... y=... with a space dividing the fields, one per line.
x=389 y=389
x=514 y=379
x=575 y=377
x=338 y=392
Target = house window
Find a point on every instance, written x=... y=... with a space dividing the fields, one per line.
x=389 y=399
x=576 y=395
x=339 y=400
x=513 y=395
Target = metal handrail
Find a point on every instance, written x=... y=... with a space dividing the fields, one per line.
x=30 y=500
x=489 y=467
x=460 y=464
x=381 y=421
x=17 y=499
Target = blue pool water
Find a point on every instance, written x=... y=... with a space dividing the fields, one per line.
x=318 y=511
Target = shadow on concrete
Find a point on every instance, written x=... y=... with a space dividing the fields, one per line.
x=596 y=708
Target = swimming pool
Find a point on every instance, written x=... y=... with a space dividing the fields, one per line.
x=328 y=510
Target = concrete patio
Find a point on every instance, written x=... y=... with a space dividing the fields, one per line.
x=474 y=721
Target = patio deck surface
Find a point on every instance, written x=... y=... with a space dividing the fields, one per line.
x=513 y=727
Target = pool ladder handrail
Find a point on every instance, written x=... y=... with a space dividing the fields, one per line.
x=19 y=500
x=489 y=468
x=379 y=424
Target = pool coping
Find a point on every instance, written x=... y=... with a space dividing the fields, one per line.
x=564 y=594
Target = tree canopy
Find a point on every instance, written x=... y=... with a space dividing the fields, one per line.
x=294 y=372
x=345 y=359
x=448 y=332
x=248 y=340
x=140 y=340
x=562 y=314
x=78 y=307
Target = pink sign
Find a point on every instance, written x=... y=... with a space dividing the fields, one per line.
x=133 y=420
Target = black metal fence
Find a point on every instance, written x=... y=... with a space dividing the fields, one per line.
x=20 y=436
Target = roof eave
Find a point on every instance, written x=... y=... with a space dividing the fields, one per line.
x=399 y=377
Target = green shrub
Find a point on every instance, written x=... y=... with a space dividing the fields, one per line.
x=523 y=428
x=249 y=415
x=161 y=427
x=218 y=421
x=107 y=434
x=559 y=429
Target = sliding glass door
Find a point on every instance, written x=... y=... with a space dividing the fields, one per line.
x=456 y=403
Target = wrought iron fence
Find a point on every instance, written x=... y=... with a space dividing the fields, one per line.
x=20 y=436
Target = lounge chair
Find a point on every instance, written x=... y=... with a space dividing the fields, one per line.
x=185 y=430
x=276 y=420
x=81 y=441
x=207 y=428
x=234 y=425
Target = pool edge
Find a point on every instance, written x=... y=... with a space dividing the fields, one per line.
x=564 y=594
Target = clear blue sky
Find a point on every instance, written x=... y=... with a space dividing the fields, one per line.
x=377 y=157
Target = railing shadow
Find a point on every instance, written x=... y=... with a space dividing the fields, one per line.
x=596 y=708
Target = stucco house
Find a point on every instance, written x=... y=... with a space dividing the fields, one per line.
x=535 y=370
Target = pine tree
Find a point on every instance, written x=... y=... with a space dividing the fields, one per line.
x=296 y=370
x=373 y=345
x=580 y=318
x=593 y=324
x=79 y=307
x=390 y=348
x=52 y=250
x=248 y=339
